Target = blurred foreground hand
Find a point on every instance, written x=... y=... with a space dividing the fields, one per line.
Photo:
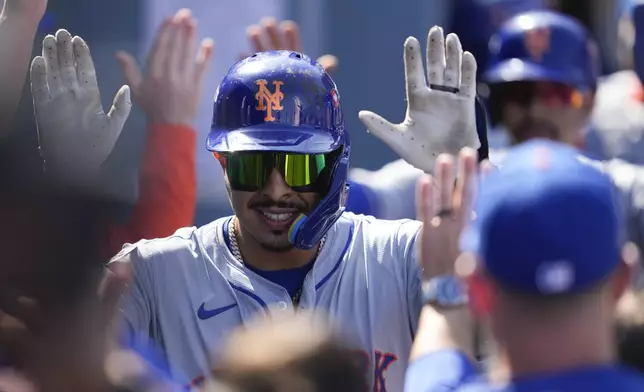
x=267 y=35
x=76 y=136
x=170 y=93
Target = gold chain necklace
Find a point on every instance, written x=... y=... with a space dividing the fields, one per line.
x=234 y=249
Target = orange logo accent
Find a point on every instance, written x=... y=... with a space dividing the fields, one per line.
x=537 y=42
x=267 y=100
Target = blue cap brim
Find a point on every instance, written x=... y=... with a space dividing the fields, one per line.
x=517 y=70
x=272 y=138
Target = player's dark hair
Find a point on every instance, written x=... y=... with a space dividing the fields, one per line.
x=333 y=368
x=290 y=355
x=520 y=93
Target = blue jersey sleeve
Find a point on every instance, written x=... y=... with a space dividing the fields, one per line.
x=444 y=371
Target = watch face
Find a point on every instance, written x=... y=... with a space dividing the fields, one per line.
x=445 y=291
x=452 y=290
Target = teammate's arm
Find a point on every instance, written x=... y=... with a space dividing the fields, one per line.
x=441 y=356
x=18 y=25
x=170 y=98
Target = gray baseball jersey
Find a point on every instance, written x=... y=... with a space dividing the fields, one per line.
x=617 y=126
x=189 y=291
x=397 y=198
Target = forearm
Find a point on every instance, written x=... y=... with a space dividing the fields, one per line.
x=168 y=187
x=17 y=33
x=441 y=356
x=443 y=330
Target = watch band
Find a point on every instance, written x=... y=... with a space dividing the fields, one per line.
x=445 y=291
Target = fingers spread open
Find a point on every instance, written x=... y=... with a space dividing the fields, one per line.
x=85 y=71
x=424 y=196
x=39 y=89
x=131 y=70
x=453 y=60
x=273 y=33
x=189 y=47
x=468 y=75
x=414 y=75
x=291 y=35
x=203 y=59
x=50 y=54
x=254 y=34
x=66 y=61
x=175 y=49
x=445 y=179
x=466 y=185
x=435 y=56
x=158 y=56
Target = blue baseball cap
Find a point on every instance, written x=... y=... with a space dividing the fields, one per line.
x=547 y=221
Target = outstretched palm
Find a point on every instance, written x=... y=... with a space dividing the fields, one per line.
x=441 y=117
x=76 y=135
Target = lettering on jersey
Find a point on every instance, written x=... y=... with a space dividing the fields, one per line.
x=269 y=101
x=537 y=42
x=377 y=371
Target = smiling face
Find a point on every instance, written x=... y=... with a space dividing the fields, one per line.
x=265 y=216
x=270 y=190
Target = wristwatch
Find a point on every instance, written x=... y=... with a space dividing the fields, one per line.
x=445 y=291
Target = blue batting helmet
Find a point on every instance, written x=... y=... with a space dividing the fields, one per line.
x=283 y=103
x=543 y=46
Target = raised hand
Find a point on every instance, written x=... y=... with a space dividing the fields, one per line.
x=444 y=205
x=18 y=25
x=75 y=134
x=170 y=93
x=267 y=35
x=440 y=116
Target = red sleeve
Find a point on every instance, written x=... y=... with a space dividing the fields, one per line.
x=167 y=187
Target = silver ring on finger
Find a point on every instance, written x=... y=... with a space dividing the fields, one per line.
x=444 y=212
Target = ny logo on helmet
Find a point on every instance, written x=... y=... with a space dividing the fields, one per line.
x=537 y=42
x=267 y=100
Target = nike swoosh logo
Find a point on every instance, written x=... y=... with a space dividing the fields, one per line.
x=204 y=314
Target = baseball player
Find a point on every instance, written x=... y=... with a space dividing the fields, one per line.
x=546 y=265
x=544 y=68
x=278 y=134
x=617 y=128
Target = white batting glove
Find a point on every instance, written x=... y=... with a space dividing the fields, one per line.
x=75 y=134
x=436 y=121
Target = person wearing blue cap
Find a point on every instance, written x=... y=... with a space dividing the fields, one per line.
x=543 y=75
x=545 y=258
